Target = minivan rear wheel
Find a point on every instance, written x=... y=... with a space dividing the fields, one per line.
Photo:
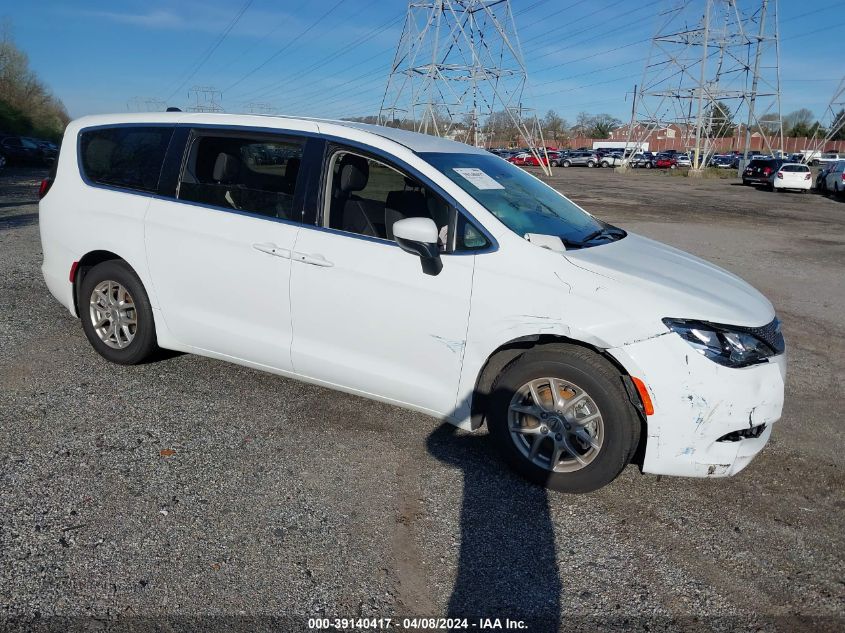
x=116 y=314
x=562 y=418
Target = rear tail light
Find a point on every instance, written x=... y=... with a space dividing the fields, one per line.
x=780 y=175
x=44 y=187
x=808 y=177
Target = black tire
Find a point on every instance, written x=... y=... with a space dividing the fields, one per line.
x=591 y=163
x=604 y=384
x=648 y=165
x=566 y=163
x=143 y=344
x=604 y=163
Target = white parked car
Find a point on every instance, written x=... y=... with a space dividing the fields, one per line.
x=792 y=176
x=683 y=160
x=835 y=179
x=830 y=157
x=416 y=271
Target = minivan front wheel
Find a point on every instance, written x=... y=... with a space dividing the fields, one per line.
x=116 y=314
x=562 y=418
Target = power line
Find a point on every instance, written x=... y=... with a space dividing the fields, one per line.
x=213 y=47
x=263 y=93
x=287 y=45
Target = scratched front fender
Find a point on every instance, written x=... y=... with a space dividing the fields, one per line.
x=698 y=402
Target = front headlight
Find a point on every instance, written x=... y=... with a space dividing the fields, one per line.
x=729 y=345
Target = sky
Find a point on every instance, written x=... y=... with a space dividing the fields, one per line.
x=331 y=58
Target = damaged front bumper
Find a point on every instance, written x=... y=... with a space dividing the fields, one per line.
x=709 y=420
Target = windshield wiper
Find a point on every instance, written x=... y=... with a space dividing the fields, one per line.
x=609 y=232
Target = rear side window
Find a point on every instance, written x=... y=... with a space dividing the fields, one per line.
x=254 y=175
x=801 y=168
x=126 y=157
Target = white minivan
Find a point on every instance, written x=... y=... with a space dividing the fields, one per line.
x=416 y=271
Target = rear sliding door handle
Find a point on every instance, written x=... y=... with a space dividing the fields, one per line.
x=314 y=259
x=272 y=249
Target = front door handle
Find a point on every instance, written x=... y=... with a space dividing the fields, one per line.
x=272 y=249
x=315 y=259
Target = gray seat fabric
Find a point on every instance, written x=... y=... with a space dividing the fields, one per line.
x=399 y=205
x=350 y=212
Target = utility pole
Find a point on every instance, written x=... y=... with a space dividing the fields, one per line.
x=711 y=63
x=457 y=64
x=753 y=97
x=696 y=166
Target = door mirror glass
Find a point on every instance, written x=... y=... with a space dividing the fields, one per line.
x=419 y=237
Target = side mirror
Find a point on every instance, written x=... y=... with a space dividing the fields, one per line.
x=419 y=237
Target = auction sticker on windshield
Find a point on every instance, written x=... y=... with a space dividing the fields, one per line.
x=478 y=178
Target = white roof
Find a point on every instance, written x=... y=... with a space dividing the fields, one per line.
x=412 y=140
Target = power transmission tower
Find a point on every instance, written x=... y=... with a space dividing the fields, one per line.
x=831 y=122
x=205 y=99
x=712 y=65
x=458 y=71
x=259 y=107
x=146 y=104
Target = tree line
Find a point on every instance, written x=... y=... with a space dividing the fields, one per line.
x=27 y=107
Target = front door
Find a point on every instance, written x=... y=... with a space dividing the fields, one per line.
x=365 y=315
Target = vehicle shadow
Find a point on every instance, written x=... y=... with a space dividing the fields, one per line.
x=507 y=566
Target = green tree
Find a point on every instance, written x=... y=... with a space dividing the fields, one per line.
x=26 y=104
x=719 y=120
x=838 y=121
x=602 y=125
x=554 y=126
x=798 y=123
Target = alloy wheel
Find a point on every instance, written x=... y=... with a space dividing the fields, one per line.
x=556 y=425
x=113 y=314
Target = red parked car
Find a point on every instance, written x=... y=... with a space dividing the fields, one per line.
x=527 y=160
x=666 y=162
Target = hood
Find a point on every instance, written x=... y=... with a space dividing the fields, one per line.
x=667 y=282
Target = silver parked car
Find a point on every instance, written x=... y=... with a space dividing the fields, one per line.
x=580 y=159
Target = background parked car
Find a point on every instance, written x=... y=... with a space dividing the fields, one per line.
x=835 y=179
x=759 y=171
x=831 y=157
x=611 y=160
x=21 y=150
x=642 y=159
x=665 y=161
x=791 y=176
x=821 y=178
x=525 y=159
x=580 y=159
x=683 y=160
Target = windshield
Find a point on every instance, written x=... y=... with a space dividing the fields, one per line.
x=520 y=201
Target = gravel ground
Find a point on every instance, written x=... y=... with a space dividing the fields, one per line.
x=205 y=496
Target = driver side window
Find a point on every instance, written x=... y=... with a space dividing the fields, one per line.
x=366 y=197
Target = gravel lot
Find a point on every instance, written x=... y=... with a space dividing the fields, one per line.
x=208 y=494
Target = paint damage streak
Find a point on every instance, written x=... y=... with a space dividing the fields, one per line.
x=565 y=283
x=646 y=338
x=541 y=324
x=722 y=468
x=456 y=347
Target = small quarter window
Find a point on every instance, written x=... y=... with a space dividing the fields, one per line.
x=127 y=157
x=244 y=174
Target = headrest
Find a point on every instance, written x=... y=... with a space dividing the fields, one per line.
x=354 y=173
x=409 y=203
x=292 y=169
x=225 y=168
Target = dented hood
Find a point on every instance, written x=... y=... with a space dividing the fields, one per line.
x=668 y=282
